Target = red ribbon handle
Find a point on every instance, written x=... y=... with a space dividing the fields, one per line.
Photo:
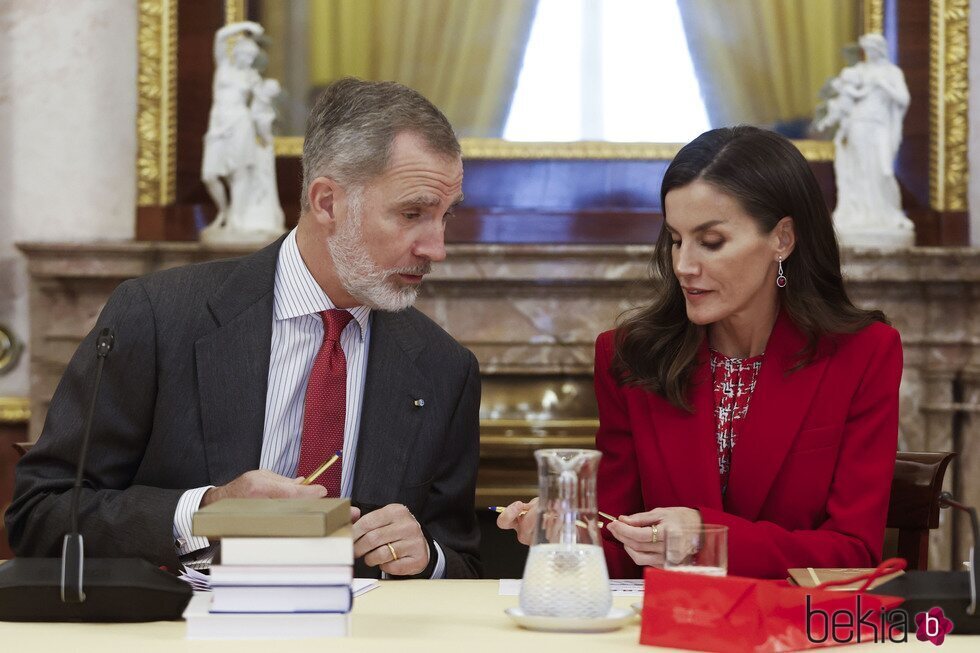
x=889 y=566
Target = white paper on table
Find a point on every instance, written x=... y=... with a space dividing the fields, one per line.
x=197 y=580
x=202 y=582
x=510 y=586
x=618 y=586
x=364 y=585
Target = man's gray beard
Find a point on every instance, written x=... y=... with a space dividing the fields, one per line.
x=364 y=280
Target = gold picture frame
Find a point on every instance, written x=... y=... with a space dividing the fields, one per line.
x=949 y=89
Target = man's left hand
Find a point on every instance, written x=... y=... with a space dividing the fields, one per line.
x=391 y=538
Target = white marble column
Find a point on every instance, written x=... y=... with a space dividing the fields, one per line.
x=67 y=137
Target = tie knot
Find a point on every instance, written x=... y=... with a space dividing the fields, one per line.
x=334 y=322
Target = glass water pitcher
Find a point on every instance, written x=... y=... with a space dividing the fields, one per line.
x=565 y=574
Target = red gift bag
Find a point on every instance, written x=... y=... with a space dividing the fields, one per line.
x=705 y=613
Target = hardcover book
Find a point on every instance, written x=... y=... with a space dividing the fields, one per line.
x=272 y=518
x=811 y=577
x=336 y=549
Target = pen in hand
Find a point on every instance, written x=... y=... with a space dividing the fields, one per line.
x=607 y=516
x=315 y=474
x=578 y=522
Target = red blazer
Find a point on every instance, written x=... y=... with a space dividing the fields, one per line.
x=811 y=470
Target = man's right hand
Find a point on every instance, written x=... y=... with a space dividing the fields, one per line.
x=263 y=484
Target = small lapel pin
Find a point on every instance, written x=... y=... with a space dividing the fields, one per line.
x=418 y=403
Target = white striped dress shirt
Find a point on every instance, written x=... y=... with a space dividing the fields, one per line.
x=297 y=333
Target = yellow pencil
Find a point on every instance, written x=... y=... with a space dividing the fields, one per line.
x=578 y=522
x=606 y=515
x=319 y=470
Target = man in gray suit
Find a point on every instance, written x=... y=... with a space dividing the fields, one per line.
x=237 y=377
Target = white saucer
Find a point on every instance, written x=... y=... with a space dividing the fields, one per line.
x=617 y=618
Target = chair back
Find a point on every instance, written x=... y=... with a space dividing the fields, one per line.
x=913 y=508
x=22 y=447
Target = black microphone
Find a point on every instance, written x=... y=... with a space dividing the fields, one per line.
x=73 y=548
x=108 y=589
x=953 y=591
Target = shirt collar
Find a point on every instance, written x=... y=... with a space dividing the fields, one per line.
x=296 y=292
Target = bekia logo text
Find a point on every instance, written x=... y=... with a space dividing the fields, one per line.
x=870 y=625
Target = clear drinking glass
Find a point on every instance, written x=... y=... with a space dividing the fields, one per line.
x=565 y=574
x=699 y=550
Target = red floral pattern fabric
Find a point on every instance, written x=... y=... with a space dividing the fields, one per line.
x=733 y=380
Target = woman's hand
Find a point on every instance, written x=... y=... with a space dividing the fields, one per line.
x=644 y=534
x=520 y=516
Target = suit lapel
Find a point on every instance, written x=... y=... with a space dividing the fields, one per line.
x=233 y=367
x=390 y=420
x=778 y=405
x=687 y=441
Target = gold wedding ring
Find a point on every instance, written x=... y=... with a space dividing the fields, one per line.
x=394 y=556
x=656 y=533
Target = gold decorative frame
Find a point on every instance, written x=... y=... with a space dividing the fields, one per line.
x=497 y=148
x=874 y=16
x=949 y=90
x=156 y=121
x=14 y=410
x=948 y=169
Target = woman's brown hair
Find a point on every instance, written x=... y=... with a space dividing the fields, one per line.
x=656 y=345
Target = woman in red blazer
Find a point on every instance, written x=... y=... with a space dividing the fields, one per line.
x=750 y=392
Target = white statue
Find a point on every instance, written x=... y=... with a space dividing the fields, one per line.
x=868 y=109
x=238 y=166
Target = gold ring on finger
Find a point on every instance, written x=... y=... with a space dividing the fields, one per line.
x=656 y=533
x=394 y=556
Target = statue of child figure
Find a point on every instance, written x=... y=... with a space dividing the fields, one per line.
x=868 y=109
x=238 y=167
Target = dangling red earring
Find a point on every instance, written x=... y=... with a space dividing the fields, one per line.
x=781 y=278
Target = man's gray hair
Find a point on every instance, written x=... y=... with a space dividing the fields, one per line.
x=353 y=125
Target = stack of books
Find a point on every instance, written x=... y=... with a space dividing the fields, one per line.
x=286 y=570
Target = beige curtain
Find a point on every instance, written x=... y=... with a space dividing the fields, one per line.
x=464 y=55
x=763 y=62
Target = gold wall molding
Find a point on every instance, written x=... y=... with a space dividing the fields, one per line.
x=495 y=148
x=949 y=46
x=15 y=410
x=156 y=122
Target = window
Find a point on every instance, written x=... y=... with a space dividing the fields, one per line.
x=611 y=70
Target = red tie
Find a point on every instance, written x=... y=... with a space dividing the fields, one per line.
x=326 y=404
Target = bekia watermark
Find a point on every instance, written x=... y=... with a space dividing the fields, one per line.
x=932 y=626
x=879 y=625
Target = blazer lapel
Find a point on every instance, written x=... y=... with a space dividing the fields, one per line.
x=233 y=367
x=779 y=403
x=687 y=442
x=390 y=420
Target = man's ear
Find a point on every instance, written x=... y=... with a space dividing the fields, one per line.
x=323 y=195
x=785 y=237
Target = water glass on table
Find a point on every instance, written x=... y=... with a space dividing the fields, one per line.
x=697 y=550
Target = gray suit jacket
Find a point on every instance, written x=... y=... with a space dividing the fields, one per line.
x=182 y=405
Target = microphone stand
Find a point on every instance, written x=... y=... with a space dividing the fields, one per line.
x=109 y=589
x=73 y=547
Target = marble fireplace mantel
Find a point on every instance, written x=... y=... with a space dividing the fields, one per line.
x=532 y=311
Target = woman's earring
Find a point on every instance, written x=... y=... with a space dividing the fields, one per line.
x=781 y=278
